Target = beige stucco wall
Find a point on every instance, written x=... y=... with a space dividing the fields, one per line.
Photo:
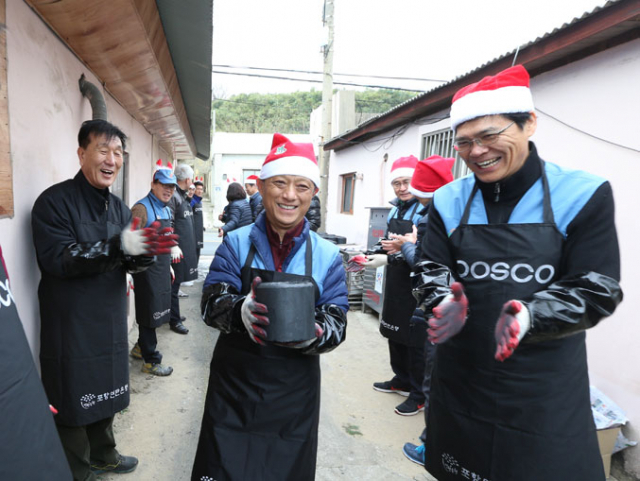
x=599 y=96
x=46 y=110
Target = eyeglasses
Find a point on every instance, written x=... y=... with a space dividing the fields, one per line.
x=465 y=146
x=399 y=183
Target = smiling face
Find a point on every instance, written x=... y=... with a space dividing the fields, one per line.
x=162 y=191
x=101 y=160
x=199 y=190
x=286 y=200
x=504 y=157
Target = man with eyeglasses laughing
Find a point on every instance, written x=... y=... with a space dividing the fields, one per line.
x=522 y=257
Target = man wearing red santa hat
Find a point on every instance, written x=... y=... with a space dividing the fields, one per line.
x=521 y=259
x=263 y=401
x=405 y=355
x=429 y=176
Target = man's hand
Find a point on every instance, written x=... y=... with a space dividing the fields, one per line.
x=356 y=263
x=391 y=246
x=165 y=241
x=136 y=241
x=176 y=255
x=513 y=324
x=411 y=237
x=220 y=232
x=303 y=344
x=449 y=316
x=130 y=285
x=376 y=260
x=253 y=317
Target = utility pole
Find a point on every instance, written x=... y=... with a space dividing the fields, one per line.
x=327 y=93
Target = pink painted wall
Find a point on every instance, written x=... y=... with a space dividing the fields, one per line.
x=46 y=110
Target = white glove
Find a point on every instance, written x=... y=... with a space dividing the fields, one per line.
x=303 y=344
x=176 y=254
x=130 y=285
x=135 y=241
x=376 y=260
x=512 y=325
x=253 y=317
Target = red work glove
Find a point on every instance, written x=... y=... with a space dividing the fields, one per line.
x=130 y=285
x=165 y=239
x=513 y=324
x=449 y=316
x=356 y=264
x=253 y=317
x=136 y=241
x=173 y=274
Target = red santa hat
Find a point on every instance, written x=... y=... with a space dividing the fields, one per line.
x=403 y=167
x=252 y=179
x=507 y=92
x=290 y=158
x=431 y=174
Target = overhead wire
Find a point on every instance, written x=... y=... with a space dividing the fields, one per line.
x=351 y=84
x=335 y=73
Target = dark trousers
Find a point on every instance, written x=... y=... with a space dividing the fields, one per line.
x=407 y=364
x=87 y=445
x=175 y=304
x=429 y=357
x=148 y=342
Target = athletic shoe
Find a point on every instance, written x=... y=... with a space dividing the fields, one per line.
x=136 y=353
x=414 y=453
x=125 y=464
x=409 y=408
x=386 y=386
x=182 y=294
x=156 y=369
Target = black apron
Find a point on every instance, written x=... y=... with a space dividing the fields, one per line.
x=187 y=268
x=153 y=287
x=262 y=409
x=399 y=302
x=31 y=447
x=198 y=224
x=529 y=417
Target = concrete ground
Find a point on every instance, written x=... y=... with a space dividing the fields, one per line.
x=360 y=436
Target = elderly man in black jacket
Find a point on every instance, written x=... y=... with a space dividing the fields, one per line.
x=183 y=256
x=85 y=244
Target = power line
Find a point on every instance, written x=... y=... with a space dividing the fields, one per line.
x=315 y=81
x=341 y=74
x=586 y=133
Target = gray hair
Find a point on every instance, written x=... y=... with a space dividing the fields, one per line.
x=183 y=171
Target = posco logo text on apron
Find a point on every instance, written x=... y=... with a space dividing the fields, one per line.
x=5 y=294
x=452 y=466
x=501 y=271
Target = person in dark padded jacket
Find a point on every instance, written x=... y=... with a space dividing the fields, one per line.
x=314 y=214
x=238 y=211
x=262 y=408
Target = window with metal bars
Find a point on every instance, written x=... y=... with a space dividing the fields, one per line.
x=441 y=143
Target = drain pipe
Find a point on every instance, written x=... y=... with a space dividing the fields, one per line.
x=95 y=97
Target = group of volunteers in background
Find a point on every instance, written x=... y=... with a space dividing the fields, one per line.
x=491 y=282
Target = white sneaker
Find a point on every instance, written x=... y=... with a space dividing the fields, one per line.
x=182 y=294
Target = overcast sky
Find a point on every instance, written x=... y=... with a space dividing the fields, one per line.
x=434 y=39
